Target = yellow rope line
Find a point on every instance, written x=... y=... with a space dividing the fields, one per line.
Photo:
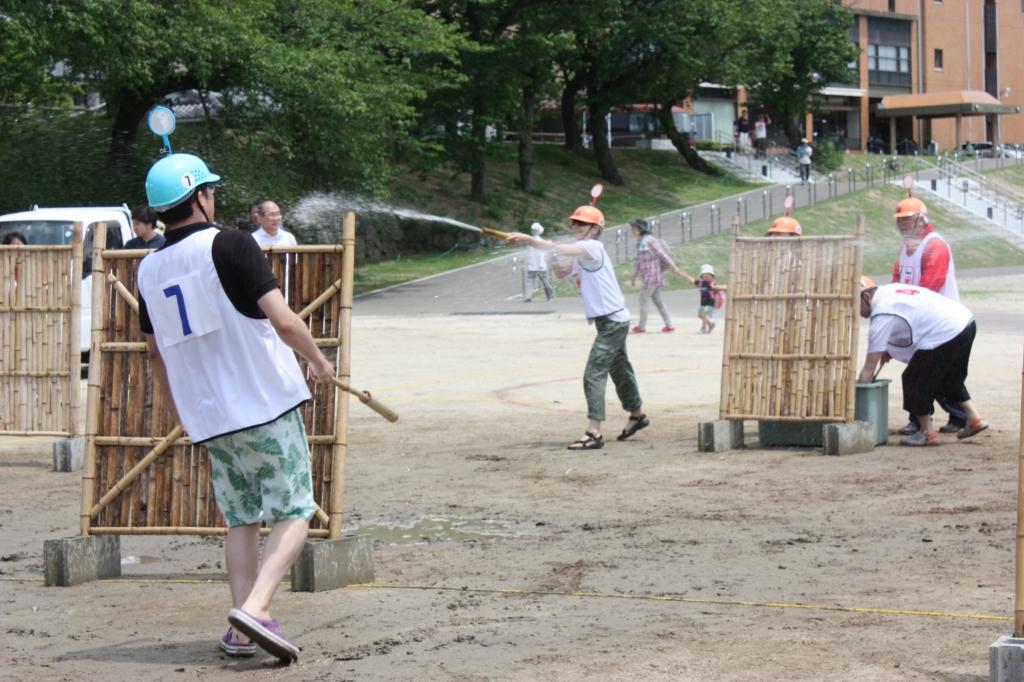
x=586 y=595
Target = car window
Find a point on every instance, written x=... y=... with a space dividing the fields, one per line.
x=40 y=232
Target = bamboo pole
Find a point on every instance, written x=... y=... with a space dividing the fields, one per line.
x=725 y=390
x=1018 y=597
x=123 y=291
x=187 y=530
x=340 y=449
x=321 y=299
x=165 y=444
x=858 y=268
x=92 y=413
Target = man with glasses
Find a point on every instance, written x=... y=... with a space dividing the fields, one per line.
x=222 y=340
x=605 y=308
x=270 y=231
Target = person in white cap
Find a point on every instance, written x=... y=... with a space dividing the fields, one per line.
x=803 y=157
x=536 y=268
x=934 y=336
x=707 y=286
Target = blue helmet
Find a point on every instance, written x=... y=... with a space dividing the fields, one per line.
x=173 y=178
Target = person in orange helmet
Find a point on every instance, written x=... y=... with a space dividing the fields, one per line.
x=605 y=307
x=925 y=260
x=785 y=226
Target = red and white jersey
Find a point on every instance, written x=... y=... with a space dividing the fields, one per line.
x=930 y=266
x=907 y=318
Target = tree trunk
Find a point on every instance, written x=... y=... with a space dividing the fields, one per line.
x=681 y=141
x=129 y=111
x=478 y=153
x=526 y=139
x=573 y=139
x=603 y=150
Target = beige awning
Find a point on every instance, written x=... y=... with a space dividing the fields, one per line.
x=943 y=104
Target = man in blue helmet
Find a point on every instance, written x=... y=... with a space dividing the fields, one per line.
x=221 y=339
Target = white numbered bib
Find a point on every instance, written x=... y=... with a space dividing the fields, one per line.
x=182 y=311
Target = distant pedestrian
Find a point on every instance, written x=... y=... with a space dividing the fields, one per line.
x=144 y=224
x=271 y=230
x=803 y=157
x=536 y=268
x=14 y=238
x=761 y=136
x=742 y=126
x=708 y=286
x=605 y=308
x=652 y=260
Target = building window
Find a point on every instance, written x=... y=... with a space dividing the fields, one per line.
x=892 y=5
x=938 y=60
x=889 y=58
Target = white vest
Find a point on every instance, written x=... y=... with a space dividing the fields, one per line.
x=536 y=259
x=932 y=318
x=599 y=287
x=227 y=372
x=910 y=267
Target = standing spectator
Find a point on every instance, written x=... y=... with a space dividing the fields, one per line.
x=761 y=136
x=707 y=286
x=742 y=126
x=933 y=335
x=536 y=268
x=14 y=238
x=222 y=341
x=249 y=223
x=271 y=231
x=652 y=260
x=144 y=225
x=605 y=308
x=926 y=260
x=803 y=157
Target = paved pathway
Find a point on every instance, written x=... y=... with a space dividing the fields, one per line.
x=493 y=287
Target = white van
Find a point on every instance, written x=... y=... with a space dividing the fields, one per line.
x=53 y=226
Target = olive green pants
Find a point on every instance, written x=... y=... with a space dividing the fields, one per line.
x=608 y=356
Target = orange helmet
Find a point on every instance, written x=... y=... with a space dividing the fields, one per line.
x=911 y=206
x=785 y=225
x=588 y=214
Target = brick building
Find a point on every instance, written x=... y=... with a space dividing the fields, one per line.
x=929 y=46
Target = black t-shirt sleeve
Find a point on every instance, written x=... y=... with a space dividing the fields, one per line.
x=144 y=322
x=243 y=270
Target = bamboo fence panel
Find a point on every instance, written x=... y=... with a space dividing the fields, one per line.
x=791 y=328
x=142 y=474
x=40 y=361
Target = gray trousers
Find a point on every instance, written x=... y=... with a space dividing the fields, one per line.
x=608 y=356
x=654 y=294
x=531 y=284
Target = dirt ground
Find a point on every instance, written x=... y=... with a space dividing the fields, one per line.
x=501 y=555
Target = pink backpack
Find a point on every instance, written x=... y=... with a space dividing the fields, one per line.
x=719 y=297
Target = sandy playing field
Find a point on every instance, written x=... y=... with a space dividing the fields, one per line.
x=501 y=555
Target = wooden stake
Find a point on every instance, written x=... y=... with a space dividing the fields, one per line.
x=340 y=450
x=92 y=414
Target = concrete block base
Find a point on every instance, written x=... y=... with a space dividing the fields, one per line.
x=806 y=434
x=330 y=564
x=69 y=454
x=73 y=561
x=848 y=439
x=721 y=434
x=1006 y=660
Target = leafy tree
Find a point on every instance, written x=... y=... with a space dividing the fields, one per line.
x=803 y=46
x=333 y=83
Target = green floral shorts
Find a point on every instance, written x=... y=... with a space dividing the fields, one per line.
x=262 y=473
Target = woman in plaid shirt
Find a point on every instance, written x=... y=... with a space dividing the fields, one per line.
x=652 y=260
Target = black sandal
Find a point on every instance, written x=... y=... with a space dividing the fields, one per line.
x=590 y=441
x=641 y=422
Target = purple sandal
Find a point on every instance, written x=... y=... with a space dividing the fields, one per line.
x=266 y=633
x=236 y=649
